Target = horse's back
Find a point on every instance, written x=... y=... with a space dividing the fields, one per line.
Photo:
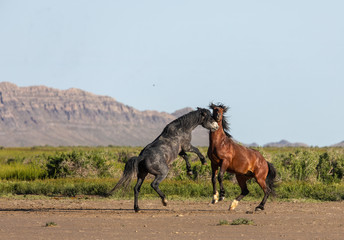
x=247 y=159
x=161 y=150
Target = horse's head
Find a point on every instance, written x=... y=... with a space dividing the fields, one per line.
x=218 y=114
x=218 y=111
x=206 y=120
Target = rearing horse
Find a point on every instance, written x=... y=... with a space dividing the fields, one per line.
x=232 y=157
x=156 y=157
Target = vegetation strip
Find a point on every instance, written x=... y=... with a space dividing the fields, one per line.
x=303 y=173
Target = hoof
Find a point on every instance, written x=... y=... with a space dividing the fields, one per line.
x=204 y=163
x=233 y=205
x=190 y=173
x=215 y=198
x=164 y=202
x=221 y=198
x=137 y=209
x=259 y=208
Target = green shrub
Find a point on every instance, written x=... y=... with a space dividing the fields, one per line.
x=79 y=164
x=297 y=165
x=330 y=167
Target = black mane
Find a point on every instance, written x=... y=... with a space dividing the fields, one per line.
x=189 y=119
x=184 y=122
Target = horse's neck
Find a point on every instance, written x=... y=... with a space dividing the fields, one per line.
x=217 y=136
x=194 y=126
x=190 y=126
x=180 y=126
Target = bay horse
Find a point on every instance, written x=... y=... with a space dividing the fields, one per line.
x=156 y=157
x=245 y=163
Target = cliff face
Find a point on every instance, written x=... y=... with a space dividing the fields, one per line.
x=40 y=115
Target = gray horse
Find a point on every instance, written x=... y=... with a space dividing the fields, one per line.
x=156 y=157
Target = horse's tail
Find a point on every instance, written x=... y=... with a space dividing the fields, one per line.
x=270 y=179
x=130 y=170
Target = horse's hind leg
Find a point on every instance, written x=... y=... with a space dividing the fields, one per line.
x=140 y=178
x=244 y=191
x=267 y=191
x=155 y=186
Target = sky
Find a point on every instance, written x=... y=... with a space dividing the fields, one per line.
x=278 y=65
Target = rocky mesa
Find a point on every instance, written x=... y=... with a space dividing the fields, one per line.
x=39 y=115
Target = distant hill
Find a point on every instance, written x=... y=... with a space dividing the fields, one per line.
x=341 y=144
x=39 y=115
x=285 y=143
x=252 y=145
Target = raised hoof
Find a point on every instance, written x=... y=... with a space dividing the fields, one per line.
x=259 y=208
x=190 y=173
x=164 y=202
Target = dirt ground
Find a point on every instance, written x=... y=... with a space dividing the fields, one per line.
x=115 y=219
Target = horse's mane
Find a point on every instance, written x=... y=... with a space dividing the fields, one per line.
x=225 y=123
x=186 y=121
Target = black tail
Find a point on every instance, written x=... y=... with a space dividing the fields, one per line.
x=130 y=170
x=270 y=179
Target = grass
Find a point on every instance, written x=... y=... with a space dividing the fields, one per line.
x=243 y=221
x=174 y=189
x=51 y=224
x=238 y=221
x=18 y=171
x=223 y=222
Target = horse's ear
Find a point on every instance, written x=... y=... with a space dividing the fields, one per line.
x=203 y=113
x=212 y=106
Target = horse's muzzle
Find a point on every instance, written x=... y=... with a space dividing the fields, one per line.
x=214 y=126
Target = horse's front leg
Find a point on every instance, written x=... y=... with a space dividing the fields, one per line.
x=188 y=165
x=214 y=169
x=199 y=154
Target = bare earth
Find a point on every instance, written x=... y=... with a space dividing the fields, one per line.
x=115 y=219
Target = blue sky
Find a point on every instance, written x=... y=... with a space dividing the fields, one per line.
x=279 y=65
